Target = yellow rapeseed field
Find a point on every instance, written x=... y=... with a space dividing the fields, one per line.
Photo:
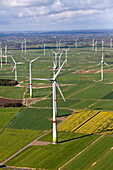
x=87 y=121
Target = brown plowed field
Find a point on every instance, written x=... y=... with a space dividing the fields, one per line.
x=5 y=100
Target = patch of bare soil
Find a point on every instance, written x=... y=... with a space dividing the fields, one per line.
x=58 y=118
x=85 y=71
x=40 y=143
x=5 y=100
x=108 y=71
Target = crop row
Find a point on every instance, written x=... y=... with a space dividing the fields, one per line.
x=89 y=122
x=76 y=120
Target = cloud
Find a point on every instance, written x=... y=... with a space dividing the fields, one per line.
x=53 y=12
x=24 y=3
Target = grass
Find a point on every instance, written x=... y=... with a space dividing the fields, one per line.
x=95 y=92
x=105 y=162
x=39 y=92
x=60 y=102
x=92 y=154
x=83 y=104
x=36 y=119
x=6 y=115
x=14 y=139
x=102 y=105
x=52 y=156
x=12 y=92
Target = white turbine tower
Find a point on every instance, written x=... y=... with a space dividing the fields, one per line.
x=60 y=59
x=44 y=45
x=15 y=67
x=22 y=46
x=76 y=41
x=25 y=45
x=93 y=44
x=102 y=65
x=96 y=46
x=30 y=69
x=54 y=84
x=102 y=45
x=59 y=44
x=66 y=54
x=5 y=54
x=111 y=42
x=55 y=57
x=1 y=58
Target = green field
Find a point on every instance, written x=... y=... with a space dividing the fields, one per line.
x=14 y=139
x=52 y=156
x=82 y=89
x=35 y=119
x=92 y=154
x=12 y=92
x=6 y=115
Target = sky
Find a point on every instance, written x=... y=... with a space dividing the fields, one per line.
x=55 y=15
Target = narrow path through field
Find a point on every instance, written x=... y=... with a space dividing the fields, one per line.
x=80 y=152
x=101 y=158
x=81 y=90
x=2 y=163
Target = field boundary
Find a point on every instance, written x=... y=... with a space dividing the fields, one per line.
x=101 y=158
x=81 y=152
x=2 y=163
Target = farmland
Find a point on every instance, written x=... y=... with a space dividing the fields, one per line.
x=89 y=122
x=84 y=117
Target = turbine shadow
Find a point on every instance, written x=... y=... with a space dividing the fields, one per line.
x=75 y=138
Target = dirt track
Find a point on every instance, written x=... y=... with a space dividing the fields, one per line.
x=5 y=100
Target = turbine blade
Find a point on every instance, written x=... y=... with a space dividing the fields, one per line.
x=20 y=63
x=26 y=59
x=13 y=69
x=53 y=51
x=41 y=79
x=60 y=90
x=34 y=59
x=58 y=70
x=106 y=64
x=13 y=59
x=98 y=64
x=53 y=61
x=68 y=49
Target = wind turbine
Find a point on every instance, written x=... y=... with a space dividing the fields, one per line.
x=76 y=40
x=5 y=54
x=44 y=45
x=54 y=84
x=1 y=58
x=102 y=45
x=22 y=46
x=66 y=54
x=111 y=42
x=25 y=45
x=30 y=69
x=15 y=68
x=102 y=63
x=93 y=44
x=96 y=46
x=55 y=57
x=59 y=44
x=60 y=59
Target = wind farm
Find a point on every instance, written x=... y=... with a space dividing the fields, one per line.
x=65 y=120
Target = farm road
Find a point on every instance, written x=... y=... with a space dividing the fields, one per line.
x=2 y=163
